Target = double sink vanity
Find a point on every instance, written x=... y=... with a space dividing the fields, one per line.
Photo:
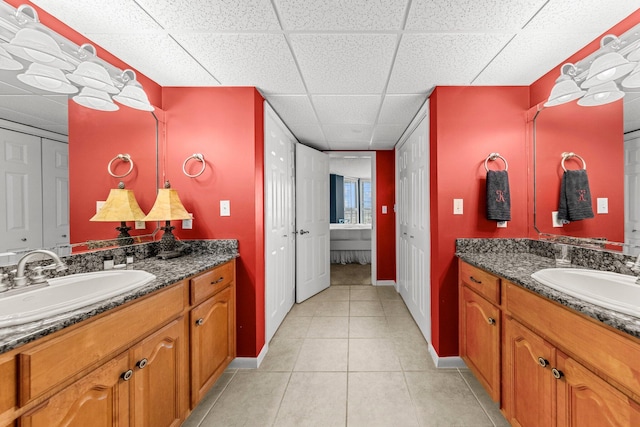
x=554 y=346
x=141 y=347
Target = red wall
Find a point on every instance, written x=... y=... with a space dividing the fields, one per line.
x=385 y=223
x=226 y=126
x=466 y=124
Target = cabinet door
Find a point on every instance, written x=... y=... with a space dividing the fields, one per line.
x=585 y=400
x=480 y=340
x=529 y=391
x=161 y=396
x=101 y=399
x=212 y=341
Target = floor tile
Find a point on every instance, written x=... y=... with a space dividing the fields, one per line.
x=203 y=408
x=314 y=399
x=329 y=327
x=365 y=293
x=413 y=354
x=490 y=407
x=334 y=293
x=365 y=308
x=293 y=327
x=443 y=399
x=282 y=354
x=379 y=399
x=332 y=308
x=368 y=327
x=305 y=309
x=252 y=398
x=394 y=307
x=328 y=355
x=403 y=327
x=372 y=354
x=387 y=292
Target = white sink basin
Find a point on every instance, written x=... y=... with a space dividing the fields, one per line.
x=614 y=291
x=69 y=293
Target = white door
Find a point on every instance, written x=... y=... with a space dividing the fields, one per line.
x=632 y=193
x=413 y=218
x=21 y=184
x=279 y=221
x=312 y=222
x=55 y=192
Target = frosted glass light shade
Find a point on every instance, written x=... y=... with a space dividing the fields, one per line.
x=607 y=68
x=39 y=47
x=90 y=74
x=135 y=97
x=167 y=207
x=7 y=62
x=632 y=81
x=565 y=90
x=600 y=95
x=47 y=78
x=121 y=205
x=95 y=99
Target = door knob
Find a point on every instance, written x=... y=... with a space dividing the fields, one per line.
x=543 y=362
x=127 y=375
x=199 y=322
x=142 y=363
x=557 y=374
x=304 y=232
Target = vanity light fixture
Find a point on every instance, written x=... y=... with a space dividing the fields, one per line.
x=632 y=80
x=7 y=62
x=39 y=47
x=602 y=94
x=132 y=94
x=95 y=99
x=167 y=207
x=566 y=89
x=91 y=74
x=121 y=206
x=47 y=78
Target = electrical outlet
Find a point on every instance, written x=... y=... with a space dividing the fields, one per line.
x=554 y=220
x=140 y=225
x=501 y=224
x=225 y=208
x=603 y=205
x=457 y=206
x=187 y=224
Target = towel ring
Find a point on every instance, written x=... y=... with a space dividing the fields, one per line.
x=568 y=155
x=125 y=158
x=196 y=156
x=494 y=156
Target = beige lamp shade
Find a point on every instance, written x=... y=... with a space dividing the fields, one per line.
x=121 y=205
x=167 y=207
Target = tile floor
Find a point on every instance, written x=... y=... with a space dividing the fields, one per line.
x=350 y=356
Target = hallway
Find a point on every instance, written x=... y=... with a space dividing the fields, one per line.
x=350 y=356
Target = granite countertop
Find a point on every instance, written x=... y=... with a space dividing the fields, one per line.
x=518 y=267
x=167 y=272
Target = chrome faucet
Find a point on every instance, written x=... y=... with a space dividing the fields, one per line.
x=22 y=280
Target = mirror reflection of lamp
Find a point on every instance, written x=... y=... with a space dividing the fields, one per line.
x=167 y=207
x=121 y=206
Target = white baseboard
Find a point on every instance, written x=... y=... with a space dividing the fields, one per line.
x=249 y=362
x=446 y=362
x=385 y=283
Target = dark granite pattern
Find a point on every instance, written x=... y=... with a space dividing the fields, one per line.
x=206 y=254
x=517 y=267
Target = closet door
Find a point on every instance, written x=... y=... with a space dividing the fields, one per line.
x=55 y=196
x=21 y=184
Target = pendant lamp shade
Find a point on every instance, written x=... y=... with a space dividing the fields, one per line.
x=167 y=207
x=121 y=205
x=95 y=76
x=38 y=47
x=47 y=78
x=607 y=68
x=134 y=96
x=95 y=99
x=600 y=95
x=565 y=90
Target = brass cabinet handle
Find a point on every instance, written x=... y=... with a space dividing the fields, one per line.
x=142 y=363
x=127 y=375
x=474 y=280
x=557 y=374
x=543 y=362
x=491 y=321
x=199 y=322
x=217 y=281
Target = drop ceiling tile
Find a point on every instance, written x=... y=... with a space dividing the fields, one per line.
x=354 y=109
x=341 y=15
x=344 y=63
x=293 y=109
x=99 y=16
x=400 y=109
x=583 y=16
x=383 y=135
x=262 y=60
x=471 y=15
x=207 y=15
x=425 y=60
x=348 y=133
x=158 y=57
x=308 y=134
x=348 y=146
x=530 y=55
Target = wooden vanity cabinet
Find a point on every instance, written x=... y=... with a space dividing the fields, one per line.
x=212 y=328
x=479 y=320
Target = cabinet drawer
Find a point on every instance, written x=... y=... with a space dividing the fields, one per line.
x=612 y=354
x=8 y=384
x=45 y=366
x=486 y=284
x=212 y=281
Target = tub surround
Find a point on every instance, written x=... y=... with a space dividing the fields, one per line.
x=204 y=254
x=516 y=259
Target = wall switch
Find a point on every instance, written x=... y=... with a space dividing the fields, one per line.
x=501 y=224
x=187 y=224
x=554 y=219
x=603 y=205
x=457 y=206
x=140 y=225
x=225 y=208
x=384 y=209
x=99 y=205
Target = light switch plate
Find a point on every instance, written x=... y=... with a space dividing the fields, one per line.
x=187 y=224
x=225 y=208
x=457 y=206
x=99 y=205
x=141 y=225
x=501 y=224
x=603 y=205
x=384 y=209
x=554 y=219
